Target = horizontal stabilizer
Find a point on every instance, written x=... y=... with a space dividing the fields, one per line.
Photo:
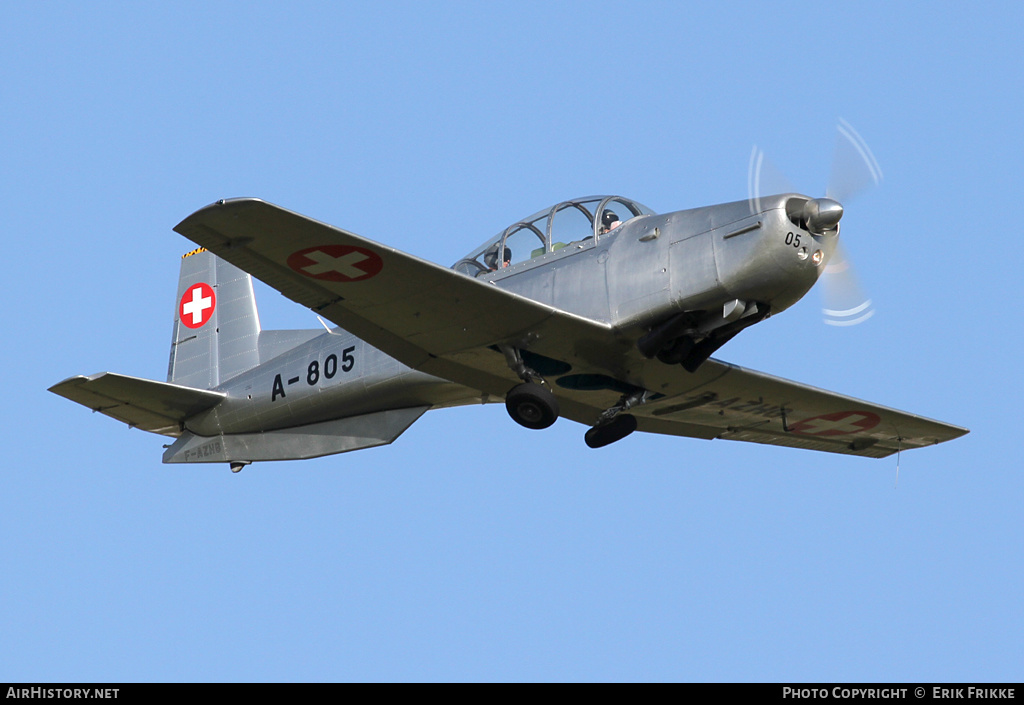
x=158 y=407
x=311 y=441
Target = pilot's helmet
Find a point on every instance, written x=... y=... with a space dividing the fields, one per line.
x=608 y=217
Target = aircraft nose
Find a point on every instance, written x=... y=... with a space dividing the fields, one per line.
x=798 y=240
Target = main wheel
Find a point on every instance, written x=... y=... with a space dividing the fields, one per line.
x=615 y=430
x=532 y=406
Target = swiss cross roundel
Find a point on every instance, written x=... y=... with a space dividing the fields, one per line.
x=838 y=423
x=336 y=263
x=197 y=305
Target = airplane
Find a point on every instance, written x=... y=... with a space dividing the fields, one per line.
x=596 y=309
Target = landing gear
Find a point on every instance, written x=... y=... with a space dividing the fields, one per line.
x=615 y=430
x=678 y=351
x=614 y=424
x=532 y=406
x=700 y=352
x=237 y=465
x=690 y=338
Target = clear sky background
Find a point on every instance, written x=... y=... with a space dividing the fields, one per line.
x=473 y=548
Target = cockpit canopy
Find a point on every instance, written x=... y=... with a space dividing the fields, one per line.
x=550 y=230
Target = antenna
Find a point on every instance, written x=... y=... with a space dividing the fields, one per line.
x=899 y=449
x=326 y=327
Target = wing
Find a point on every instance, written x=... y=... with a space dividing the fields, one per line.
x=428 y=317
x=745 y=405
x=158 y=407
x=447 y=324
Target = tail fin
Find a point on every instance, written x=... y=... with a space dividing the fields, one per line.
x=216 y=325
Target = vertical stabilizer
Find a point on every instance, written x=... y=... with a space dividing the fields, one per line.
x=216 y=326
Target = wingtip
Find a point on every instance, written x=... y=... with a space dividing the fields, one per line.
x=216 y=206
x=73 y=381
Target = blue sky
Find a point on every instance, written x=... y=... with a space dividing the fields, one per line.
x=473 y=549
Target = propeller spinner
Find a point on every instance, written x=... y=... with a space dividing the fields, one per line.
x=822 y=214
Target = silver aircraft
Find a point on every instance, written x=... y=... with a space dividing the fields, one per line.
x=596 y=309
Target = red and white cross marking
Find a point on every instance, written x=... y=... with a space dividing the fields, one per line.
x=336 y=263
x=197 y=305
x=838 y=423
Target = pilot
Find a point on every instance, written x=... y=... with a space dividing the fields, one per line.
x=491 y=258
x=609 y=221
